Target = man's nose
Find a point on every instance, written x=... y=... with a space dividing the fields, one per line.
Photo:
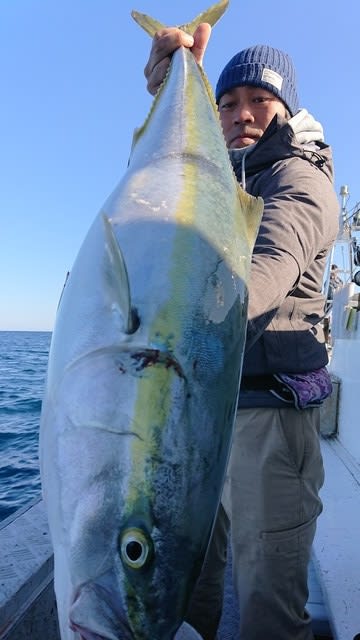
x=242 y=113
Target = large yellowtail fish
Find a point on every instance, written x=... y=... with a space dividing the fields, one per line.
x=144 y=372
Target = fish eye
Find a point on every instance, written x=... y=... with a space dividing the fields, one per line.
x=135 y=548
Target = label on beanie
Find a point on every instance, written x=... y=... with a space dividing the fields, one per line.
x=270 y=76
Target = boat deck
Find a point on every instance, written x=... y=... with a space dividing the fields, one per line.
x=27 y=604
x=336 y=554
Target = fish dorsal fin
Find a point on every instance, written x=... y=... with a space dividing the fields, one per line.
x=118 y=277
x=210 y=15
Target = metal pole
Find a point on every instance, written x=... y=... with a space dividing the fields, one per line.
x=345 y=226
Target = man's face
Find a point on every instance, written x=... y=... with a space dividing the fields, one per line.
x=245 y=112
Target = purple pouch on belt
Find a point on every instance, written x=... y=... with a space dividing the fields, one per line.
x=308 y=389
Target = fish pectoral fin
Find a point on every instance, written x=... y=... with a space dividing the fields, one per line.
x=118 y=279
x=253 y=209
x=210 y=15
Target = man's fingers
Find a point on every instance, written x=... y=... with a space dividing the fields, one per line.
x=157 y=75
x=201 y=39
x=165 y=42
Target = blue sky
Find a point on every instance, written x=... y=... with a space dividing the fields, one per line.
x=73 y=91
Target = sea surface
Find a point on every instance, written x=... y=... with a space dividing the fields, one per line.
x=23 y=364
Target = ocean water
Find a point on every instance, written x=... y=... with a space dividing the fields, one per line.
x=23 y=364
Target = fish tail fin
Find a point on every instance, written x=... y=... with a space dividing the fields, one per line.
x=150 y=25
x=211 y=16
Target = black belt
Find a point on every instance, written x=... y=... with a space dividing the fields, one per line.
x=258 y=383
x=266 y=383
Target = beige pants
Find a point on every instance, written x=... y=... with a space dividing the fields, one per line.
x=271 y=499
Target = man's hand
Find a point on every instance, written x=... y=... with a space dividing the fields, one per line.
x=164 y=44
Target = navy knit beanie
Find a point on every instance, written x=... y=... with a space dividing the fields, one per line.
x=261 y=66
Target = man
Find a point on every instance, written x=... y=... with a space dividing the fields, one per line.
x=271 y=494
x=335 y=281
